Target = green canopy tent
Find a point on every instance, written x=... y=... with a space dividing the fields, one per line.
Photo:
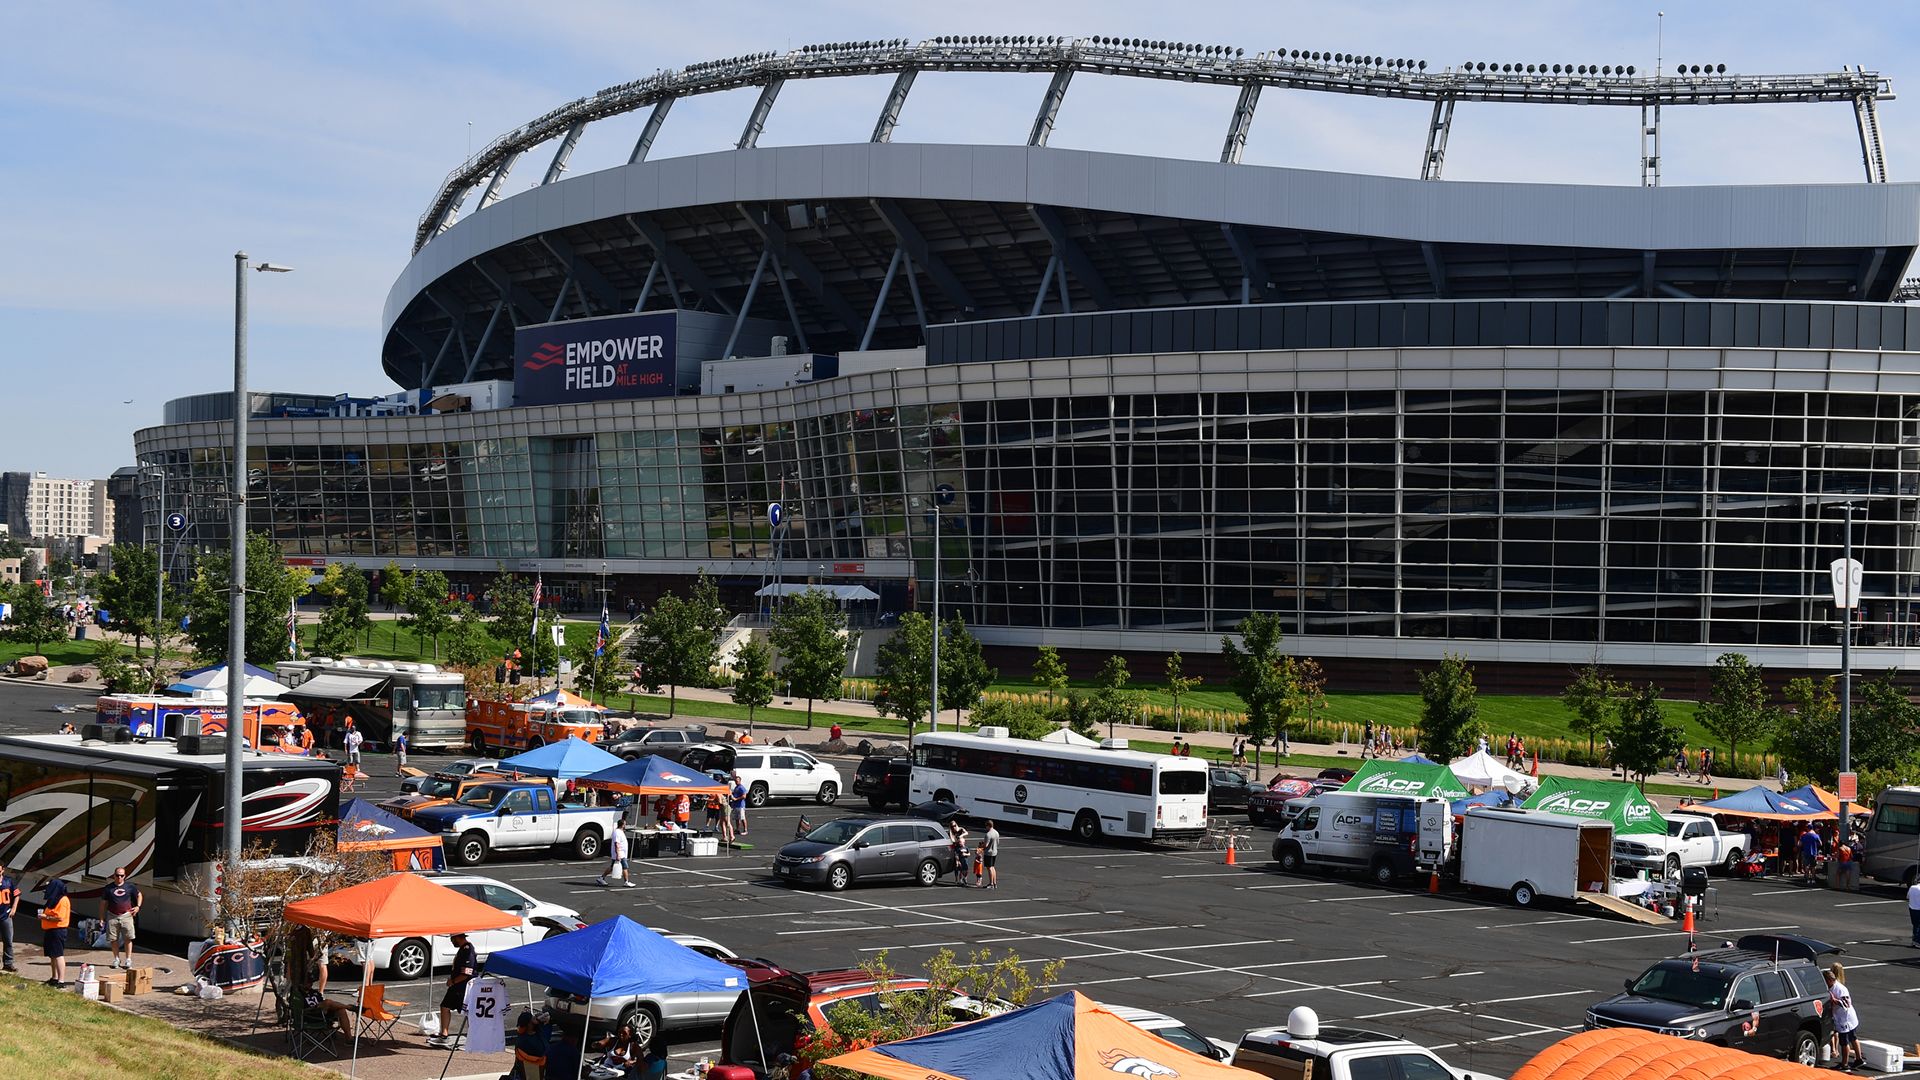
x=1406 y=778
x=1614 y=801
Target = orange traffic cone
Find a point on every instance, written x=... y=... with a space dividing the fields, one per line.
x=1686 y=924
x=1433 y=882
x=1230 y=861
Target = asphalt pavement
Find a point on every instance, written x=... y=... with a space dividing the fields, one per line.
x=1226 y=949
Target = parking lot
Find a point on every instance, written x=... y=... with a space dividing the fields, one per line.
x=1224 y=948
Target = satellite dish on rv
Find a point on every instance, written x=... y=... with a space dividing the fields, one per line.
x=1303 y=1023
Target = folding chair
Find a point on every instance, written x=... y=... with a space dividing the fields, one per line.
x=378 y=1015
x=309 y=1032
x=350 y=777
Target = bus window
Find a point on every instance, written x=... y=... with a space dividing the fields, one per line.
x=402 y=699
x=1896 y=818
x=1183 y=782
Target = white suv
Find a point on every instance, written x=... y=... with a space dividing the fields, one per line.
x=406 y=958
x=770 y=771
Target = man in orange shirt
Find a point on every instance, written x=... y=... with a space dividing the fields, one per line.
x=55 y=915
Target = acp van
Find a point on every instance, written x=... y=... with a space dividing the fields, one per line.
x=1377 y=835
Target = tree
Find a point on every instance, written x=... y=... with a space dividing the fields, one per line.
x=35 y=620
x=468 y=642
x=394 y=589
x=1594 y=701
x=1110 y=704
x=904 y=671
x=119 y=669
x=906 y=1013
x=429 y=606
x=813 y=641
x=1886 y=725
x=595 y=675
x=1179 y=684
x=1447 y=709
x=1254 y=664
x=964 y=674
x=753 y=676
x=125 y=590
x=272 y=587
x=346 y=618
x=1645 y=739
x=1050 y=672
x=677 y=641
x=510 y=601
x=1082 y=714
x=1883 y=732
x=1302 y=697
x=1738 y=709
x=1023 y=720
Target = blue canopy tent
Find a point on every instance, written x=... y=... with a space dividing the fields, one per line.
x=652 y=774
x=616 y=957
x=366 y=827
x=1419 y=759
x=1801 y=804
x=569 y=759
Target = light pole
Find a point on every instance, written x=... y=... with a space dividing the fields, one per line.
x=159 y=569
x=942 y=496
x=237 y=579
x=1846 y=594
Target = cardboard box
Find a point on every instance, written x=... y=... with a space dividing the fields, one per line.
x=139 y=980
x=113 y=991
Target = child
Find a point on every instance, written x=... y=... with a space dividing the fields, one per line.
x=980 y=865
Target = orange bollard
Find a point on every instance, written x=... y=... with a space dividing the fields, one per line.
x=1230 y=861
x=1433 y=882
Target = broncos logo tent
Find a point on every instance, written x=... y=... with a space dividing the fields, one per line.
x=653 y=775
x=1069 y=1037
x=366 y=827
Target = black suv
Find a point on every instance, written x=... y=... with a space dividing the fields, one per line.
x=669 y=743
x=883 y=780
x=1763 y=995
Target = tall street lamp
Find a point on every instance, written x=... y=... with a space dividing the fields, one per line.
x=159 y=567
x=942 y=496
x=1846 y=596
x=237 y=579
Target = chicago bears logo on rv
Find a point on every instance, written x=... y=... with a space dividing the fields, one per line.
x=1129 y=1065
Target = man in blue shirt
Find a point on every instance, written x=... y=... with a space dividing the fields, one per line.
x=10 y=905
x=739 y=798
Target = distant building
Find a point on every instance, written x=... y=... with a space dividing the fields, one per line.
x=123 y=498
x=38 y=505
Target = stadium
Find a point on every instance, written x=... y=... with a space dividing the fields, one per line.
x=1538 y=424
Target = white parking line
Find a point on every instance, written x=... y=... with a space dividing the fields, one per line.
x=1539 y=922
x=1491 y=1001
x=1351 y=899
x=1718 y=932
x=1182 y=948
x=1106 y=855
x=1217 y=873
x=1296 y=885
x=1436 y=911
x=1869 y=903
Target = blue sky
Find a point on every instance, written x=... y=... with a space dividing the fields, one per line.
x=142 y=144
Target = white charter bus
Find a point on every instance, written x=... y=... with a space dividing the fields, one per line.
x=1104 y=790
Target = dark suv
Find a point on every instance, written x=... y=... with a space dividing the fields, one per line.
x=1764 y=995
x=669 y=743
x=883 y=780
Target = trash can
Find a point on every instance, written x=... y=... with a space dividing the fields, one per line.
x=80 y=632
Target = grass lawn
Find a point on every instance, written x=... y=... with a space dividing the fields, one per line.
x=55 y=1033
x=59 y=652
x=389 y=640
x=727 y=710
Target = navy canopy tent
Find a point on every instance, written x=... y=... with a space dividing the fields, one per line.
x=615 y=957
x=1419 y=759
x=568 y=759
x=652 y=774
x=366 y=827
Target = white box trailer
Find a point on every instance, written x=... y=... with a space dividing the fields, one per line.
x=1528 y=855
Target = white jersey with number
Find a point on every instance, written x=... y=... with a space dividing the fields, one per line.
x=487 y=1005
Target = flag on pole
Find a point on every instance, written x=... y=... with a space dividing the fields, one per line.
x=534 y=633
x=606 y=634
x=293 y=631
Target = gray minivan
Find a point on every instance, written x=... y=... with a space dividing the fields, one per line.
x=841 y=852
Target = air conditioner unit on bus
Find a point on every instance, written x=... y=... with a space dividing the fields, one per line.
x=1113 y=744
x=993 y=733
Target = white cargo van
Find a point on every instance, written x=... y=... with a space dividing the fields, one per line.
x=1527 y=854
x=1375 y=834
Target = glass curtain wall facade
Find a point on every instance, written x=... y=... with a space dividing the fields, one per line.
x=1604 y=515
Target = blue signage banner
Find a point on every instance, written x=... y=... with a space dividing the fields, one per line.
x=625 y=356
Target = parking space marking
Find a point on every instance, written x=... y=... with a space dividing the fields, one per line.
x=1682 y=933
x=1350 y=899
x=1869 y=903
x=946 y=922
x=1106 y=855
x=1490 y=1001
x=1182 y=948
x=1221 y=873
x=1455 y=909
x=1539 y=922
x=1294 y=885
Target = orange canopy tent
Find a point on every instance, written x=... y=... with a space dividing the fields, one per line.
x=398 y=905
x=1069 y=1037
x=1634 y=1054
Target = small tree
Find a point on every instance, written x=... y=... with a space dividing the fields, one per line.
x=346 y=615
x=1302 y=697
x=964 y=673
x=1110 y=704
x=468 y=641
x=1179 y=684
x=272 y=587
x=1738 y=710
x=595 y=676
x=907 y=1013
x=1023 y=720
x=753 y=676
x=813 y=641
x=1447 y=709
x=1254 y=663
x=429 y=606
x=1645 y=739
x=126 y=592
x=119 y=669
x=253 y=898
x=1050 y=672
x=394 y=589
x=1594 y=701
x=35 y=621
x=904 y=671
x=677 y=642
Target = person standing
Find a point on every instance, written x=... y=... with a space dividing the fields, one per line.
x=990 y=848
x=466 y=964
x=739 y=800
x=617 y=858
x=56 y=914
x=1809 y=853
x=1846 y=1022
x=351 y=744
x=119 y=904
x=10 y=905
x=957 y=842
x=400 y=754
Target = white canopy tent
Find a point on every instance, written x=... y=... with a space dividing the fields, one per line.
x=1482 y=770
x=841 y=593
x=1068 y=736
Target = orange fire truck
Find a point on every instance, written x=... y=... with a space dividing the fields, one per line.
x=513 y=726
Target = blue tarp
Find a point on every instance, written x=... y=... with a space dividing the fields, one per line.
x=652 y=774
x=1419 y=759
x=615 y=957
x=1496 y=797
x=569 y=759
x=1035 y=1043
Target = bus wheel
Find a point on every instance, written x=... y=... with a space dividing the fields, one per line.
x=1087 y=826
x=479 y=743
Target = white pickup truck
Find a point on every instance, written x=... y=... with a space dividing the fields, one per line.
x=1303 y=1050
x=1691 y=840
x=516 y=814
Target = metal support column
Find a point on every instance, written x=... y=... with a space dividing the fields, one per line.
x=485 y=336
x=753 y=286
x=1438 y=129
x=567 y=142
x=913 y=287
x=890 y=112
x=757 y=120
x=1066 y=298
x=1650 y=145
x=793 y=312
x=492 y=193
x=1242 y=121
x=1866 y=118
x=651 y=132
x=646 y=288
x=880 y=301
x=560 y=299
x=1046 y=282
x=1050 y=107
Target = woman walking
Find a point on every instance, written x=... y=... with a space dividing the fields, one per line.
x=1846 y=1022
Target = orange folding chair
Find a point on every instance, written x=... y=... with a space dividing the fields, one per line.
x=377 y=1014
x=350 y=777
